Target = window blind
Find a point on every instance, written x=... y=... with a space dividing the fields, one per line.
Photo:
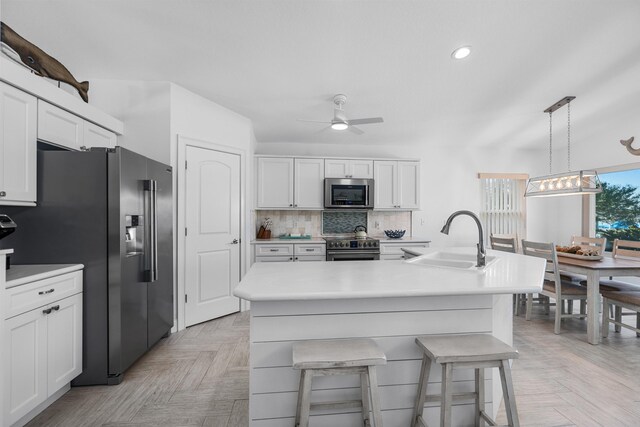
x=503 y=209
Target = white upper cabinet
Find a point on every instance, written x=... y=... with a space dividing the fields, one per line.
x=308 y=183
x=18 y=115
x=275 y=182
x=348 y=168
x=59 y=127
x=397 y=184
x=95 y=136
x=289 y=183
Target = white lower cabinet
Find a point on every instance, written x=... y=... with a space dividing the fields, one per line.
x=296 y=252
x=393 y=250
x=44 y=353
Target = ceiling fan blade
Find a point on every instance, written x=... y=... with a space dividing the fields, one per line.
x=366 y=121
x=355 y=130
x=324 y=129
x=313 y=121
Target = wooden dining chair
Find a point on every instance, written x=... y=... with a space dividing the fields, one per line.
x=628 y=249
x=553 y=286
x=508 y=244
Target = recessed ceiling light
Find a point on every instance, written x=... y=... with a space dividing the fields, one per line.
x=339 y=126
x=461 y=52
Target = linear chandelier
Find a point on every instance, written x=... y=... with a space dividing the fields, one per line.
x=568 y=183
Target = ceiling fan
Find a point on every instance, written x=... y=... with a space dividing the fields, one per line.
x=340 y=121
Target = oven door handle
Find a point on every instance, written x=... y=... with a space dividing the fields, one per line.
x=353 y=252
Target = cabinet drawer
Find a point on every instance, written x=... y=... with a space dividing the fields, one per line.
x=36 y=294
x=309 y=249
x=59 y=127
x=267 y=250
x=305 y=258
x=274 y=258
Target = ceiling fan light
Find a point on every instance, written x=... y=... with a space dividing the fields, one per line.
x=461 y=52
x=339 y=126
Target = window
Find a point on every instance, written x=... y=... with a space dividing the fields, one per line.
x=617 y=208
x=502 y=208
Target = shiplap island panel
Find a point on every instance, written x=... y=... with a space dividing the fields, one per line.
x=391 y=302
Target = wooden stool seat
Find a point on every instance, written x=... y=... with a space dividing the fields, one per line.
x=339 y=357
x=477 y=351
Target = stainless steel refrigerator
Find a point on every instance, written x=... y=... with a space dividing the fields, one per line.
x=111 y=210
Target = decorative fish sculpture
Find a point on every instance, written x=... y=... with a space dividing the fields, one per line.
x=627 y=143
x=38 y=60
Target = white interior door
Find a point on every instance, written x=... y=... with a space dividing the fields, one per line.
x=212 y=249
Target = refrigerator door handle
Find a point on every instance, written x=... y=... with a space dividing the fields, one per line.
x=151 y=186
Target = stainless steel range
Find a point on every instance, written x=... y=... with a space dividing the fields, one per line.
x=351 y=249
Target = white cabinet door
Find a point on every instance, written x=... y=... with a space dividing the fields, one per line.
x=59 y=127
x=409 y=185
x=18 y=116
x=336 y=168
x=362 y=169
x=64 y=342
x=348 y=168
x=25 y=370
x=95 y=136
x=308 y=184
x=275 y=182
x=386 y=184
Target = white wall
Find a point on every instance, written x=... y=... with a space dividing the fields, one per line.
x=144 y=108
x=449 y=179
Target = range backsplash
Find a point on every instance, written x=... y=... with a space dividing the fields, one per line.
x=317 y=223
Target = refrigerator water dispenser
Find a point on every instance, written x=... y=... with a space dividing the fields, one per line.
x=134 y=235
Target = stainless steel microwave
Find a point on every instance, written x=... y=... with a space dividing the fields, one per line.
x=340 y=193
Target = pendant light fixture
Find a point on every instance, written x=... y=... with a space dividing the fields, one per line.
x=568 y=183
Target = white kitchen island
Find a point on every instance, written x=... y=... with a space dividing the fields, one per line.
x=391 y=302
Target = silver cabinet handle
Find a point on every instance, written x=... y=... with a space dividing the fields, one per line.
x=46 y=311
x=3 y=194
x=309 y=249
x=234 y=242
x=46 y=292
x=151 y=186
x=290 y=205
x=55 y=308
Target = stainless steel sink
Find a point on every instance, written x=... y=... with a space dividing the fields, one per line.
x=458 y=261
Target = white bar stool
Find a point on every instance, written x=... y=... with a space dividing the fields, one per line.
x=339 y=357
x=478 y=351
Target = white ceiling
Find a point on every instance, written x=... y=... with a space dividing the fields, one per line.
x=277 y=61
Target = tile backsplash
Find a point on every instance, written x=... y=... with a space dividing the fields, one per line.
x=317 y=223
x=342 y=222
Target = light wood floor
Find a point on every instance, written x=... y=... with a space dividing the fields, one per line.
x=199 y=377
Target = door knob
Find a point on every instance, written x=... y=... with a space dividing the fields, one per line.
x=234 y=242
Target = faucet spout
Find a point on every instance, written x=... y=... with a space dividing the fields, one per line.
x=481 y=251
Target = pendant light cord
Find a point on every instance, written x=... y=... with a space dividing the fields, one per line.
x=550 y=141
x=569 y=136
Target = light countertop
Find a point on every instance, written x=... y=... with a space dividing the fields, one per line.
x=509 y=274
x=20 y=274
x=6 y=251
x=320 y=239
x=313 y=239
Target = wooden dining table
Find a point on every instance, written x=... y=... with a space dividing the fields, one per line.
x=594 y=269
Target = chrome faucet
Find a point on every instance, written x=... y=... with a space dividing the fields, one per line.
x=481 y=251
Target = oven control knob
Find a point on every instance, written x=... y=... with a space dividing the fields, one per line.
x=375 y=244
x=341 y=244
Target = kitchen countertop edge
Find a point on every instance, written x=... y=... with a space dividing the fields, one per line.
x=26 y=273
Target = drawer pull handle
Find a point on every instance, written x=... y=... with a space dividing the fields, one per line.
x=3 y=194
x=46 y=292
x=309 y=249
x=274 y=250
x=47 y=311
x=55 y=308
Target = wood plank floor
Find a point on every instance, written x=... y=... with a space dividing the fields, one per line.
x=199 y=377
